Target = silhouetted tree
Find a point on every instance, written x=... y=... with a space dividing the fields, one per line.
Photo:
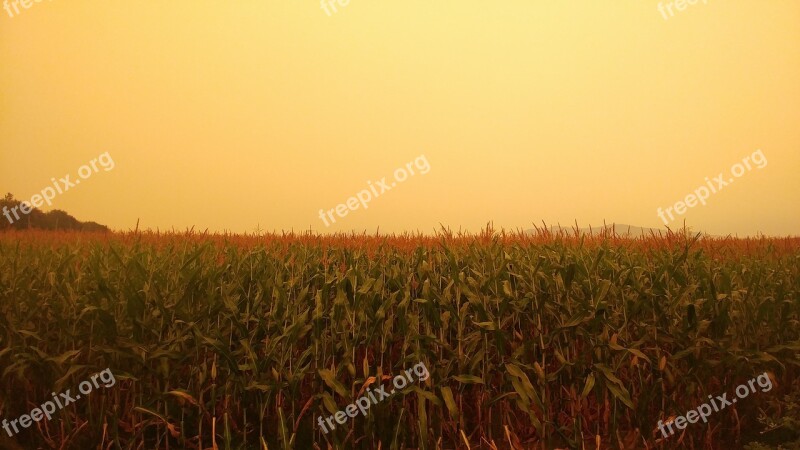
x=53 y=220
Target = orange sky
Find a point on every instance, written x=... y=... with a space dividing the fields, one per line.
x=235 y=115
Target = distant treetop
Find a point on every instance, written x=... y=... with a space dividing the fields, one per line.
x=52 y=220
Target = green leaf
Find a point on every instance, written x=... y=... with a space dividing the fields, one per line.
x=468 y=379
x=447 y=395
x=329 y=378
x=621 y=393
x=329 y=403
x=609 y=374
x=587 y=388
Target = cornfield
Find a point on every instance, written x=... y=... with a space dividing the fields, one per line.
x=535 y=341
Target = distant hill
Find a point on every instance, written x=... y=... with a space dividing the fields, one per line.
x=618 y=229
x=36 y=219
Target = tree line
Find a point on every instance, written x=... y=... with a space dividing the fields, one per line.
x=36 y=219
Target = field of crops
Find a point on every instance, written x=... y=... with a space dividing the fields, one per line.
x=541 y=342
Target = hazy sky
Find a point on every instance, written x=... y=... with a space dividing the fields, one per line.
x=228 y=115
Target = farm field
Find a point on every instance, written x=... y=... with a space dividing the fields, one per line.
x=286 y=225
x=538 y=341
